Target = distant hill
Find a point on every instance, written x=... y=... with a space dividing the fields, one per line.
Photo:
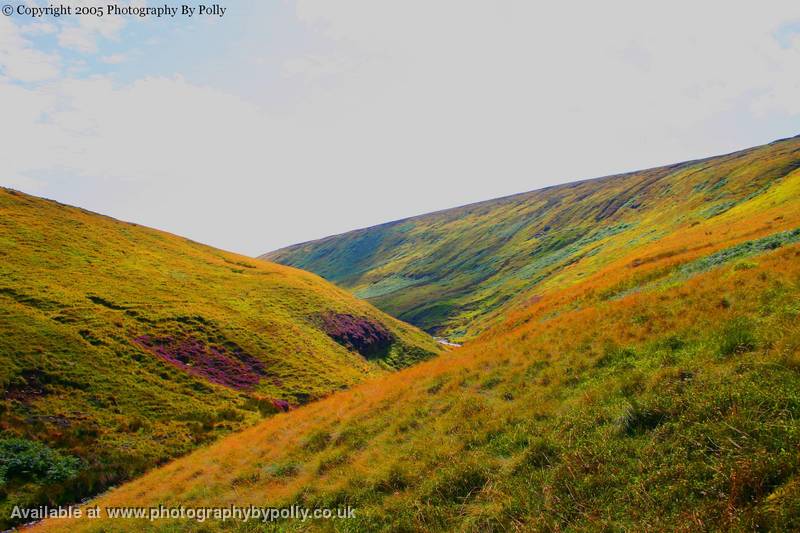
x=453 y=272
x=122 y=347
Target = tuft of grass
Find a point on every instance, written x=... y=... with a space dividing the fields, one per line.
x=317 y=441
x=737 y=337
x=283 y=470
x=395 y=480
x=540 y=453
x=637 y=419
x=456 y=483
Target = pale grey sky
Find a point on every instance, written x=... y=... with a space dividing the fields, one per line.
x=285 y=121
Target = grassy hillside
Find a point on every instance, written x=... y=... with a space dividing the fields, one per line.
x=450 y=272
x=122 y=347
x=657 y=391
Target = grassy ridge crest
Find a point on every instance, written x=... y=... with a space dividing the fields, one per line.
x=451 y=271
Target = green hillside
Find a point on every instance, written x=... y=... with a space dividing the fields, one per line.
x=661 y=393
x=123 y=346
x=453 y=272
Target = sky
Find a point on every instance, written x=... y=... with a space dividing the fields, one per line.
x=285 y=121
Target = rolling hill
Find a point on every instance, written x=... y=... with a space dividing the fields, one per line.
x=654 y=386
x=453 y=272
x=122 y=347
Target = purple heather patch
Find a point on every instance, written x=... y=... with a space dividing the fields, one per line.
x=362 y=334
x=232 y=368
x=281 y=405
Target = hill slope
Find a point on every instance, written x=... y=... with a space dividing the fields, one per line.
x=661 y=393
x=123 y=346
x=453 y=271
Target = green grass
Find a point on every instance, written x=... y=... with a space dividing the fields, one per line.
x=452 y=272
x=658 y=278
x=76 y=292
x=633 y=362
x=663 y=411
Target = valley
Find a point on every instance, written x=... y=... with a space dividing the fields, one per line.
x=642 y=374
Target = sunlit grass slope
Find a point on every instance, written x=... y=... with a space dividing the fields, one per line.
x=661 y=393
x=448 y=271
x=123 y=346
